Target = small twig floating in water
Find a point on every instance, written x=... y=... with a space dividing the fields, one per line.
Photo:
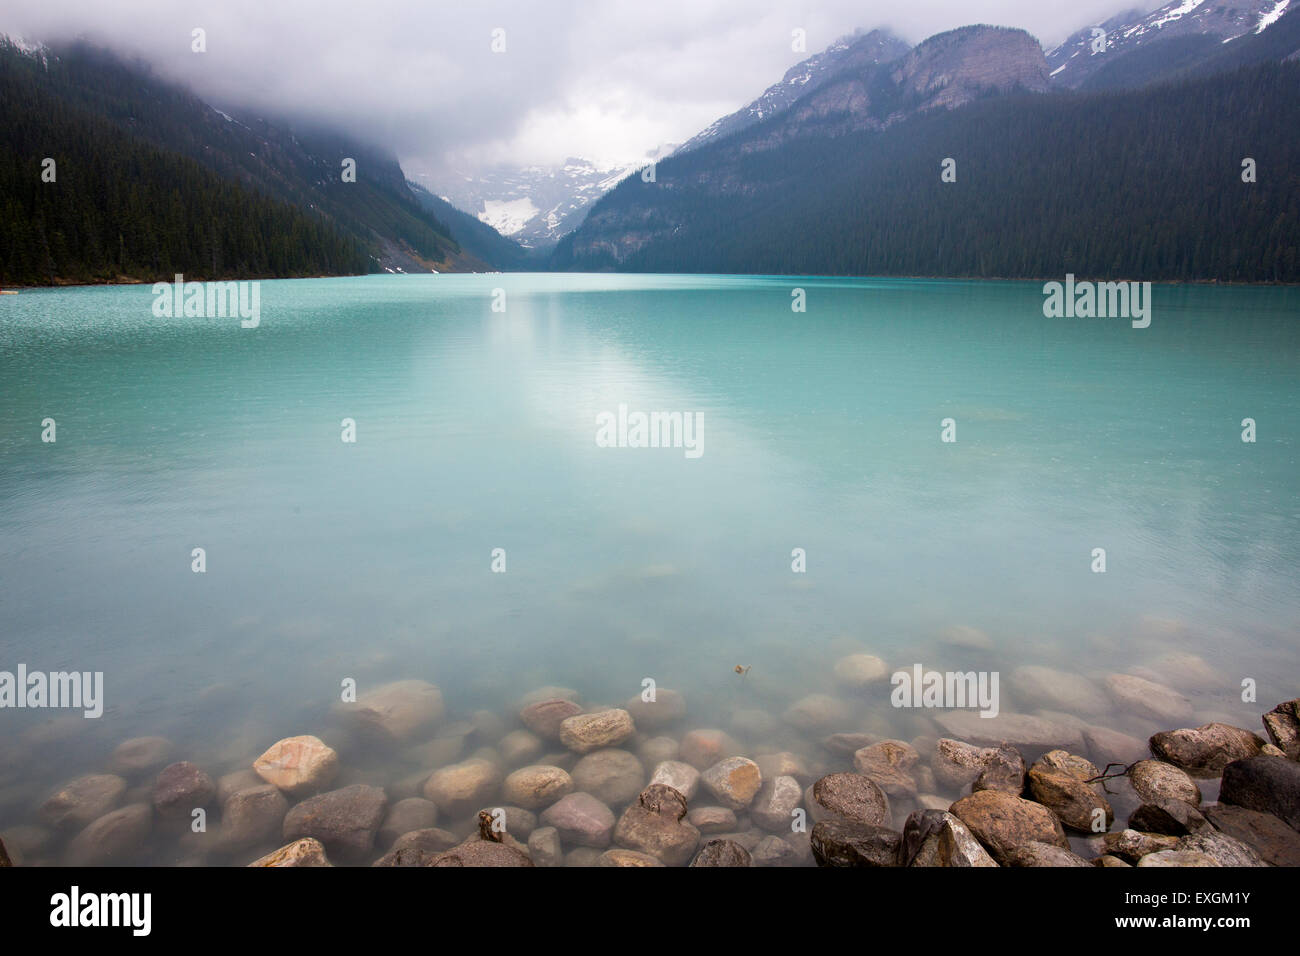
x=743 y=670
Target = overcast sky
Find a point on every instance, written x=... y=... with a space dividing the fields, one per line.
x=604 y=80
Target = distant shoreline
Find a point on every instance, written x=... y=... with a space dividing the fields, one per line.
x=729 y=275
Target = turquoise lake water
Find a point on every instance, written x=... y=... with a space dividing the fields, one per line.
x=476 y=431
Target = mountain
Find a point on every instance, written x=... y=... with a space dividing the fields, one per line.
x=856 y=52
x=118 y=208
x=272 y=157
x=477 y=239
x=533 y=205
x=846 y=180
x=1175 y=35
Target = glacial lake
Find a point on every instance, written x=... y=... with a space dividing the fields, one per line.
x=376 y=560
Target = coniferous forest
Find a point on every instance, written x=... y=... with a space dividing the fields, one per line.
x=121 y=208
x=1109 y=184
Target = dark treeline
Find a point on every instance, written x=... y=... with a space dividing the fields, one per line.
x=1135 y=184
x=121 y=208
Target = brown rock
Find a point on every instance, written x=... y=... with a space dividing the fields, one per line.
x=889 y=764
x=395 y=712
x=544 y=717
x=417 y=848
x=1156 y=780
x=463 y=787
x=253 y=816
x=703 y=748
x=345 y=821
x=1077 y=805
x=537 y=786
x=140 y=755
x=84 y=800
x=298 y=765
x=1002 y=822
x=114 y=839
x=583 y=733
x=1205 y=751
x=654 y=825
x=181 y=789
x=580 y=819
x=299 y=853
x=722 y=853
x=734 y=782
x=850 y=797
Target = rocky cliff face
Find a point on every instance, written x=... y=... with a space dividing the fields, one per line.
x=859 y=52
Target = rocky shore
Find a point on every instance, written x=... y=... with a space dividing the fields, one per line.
x=395 y=780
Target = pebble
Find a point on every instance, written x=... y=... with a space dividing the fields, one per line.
x=710 y=820
x=721 y=853
x=180 y=789
x=584 y=733
x=1205 y=751
x=654 y=825
x=850 y=797
x=298 y=765
x=140 y=755
x=417 y=848
x=840 y=843
x=543 y=717
x=773 y=808
x=1003 y=821
x=613 y=776
x=82 y=801
x=252 y=816
x=1155 y=780
x=889 y=763
x=734 y=782
x=345 y=821
x=667 y=708
x=545 y=848
x=462 y=787
x=580 y=819
x=306 y=852
x=537 y=786
x=113 y=839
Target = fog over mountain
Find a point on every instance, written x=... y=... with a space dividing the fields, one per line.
x=605 y=82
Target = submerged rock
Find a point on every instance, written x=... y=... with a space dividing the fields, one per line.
x=654 y=825
x=838 y=843
x=82 y=801
x=114 y=839
x=1145 y=698
x=858 y=671
x=627 y=858
x=612 y=776
x=1110 y=746
x=703 y=748
x=1205 y=751
x=252 y=817
x=581 y=819
x=345 y=821
x=480 y=852
x=710 y=820
x=1034 y=686
x=773 y=808
x=463 y=787
x=537 y=786
x=417 y=848
x=682 y=777
x=298 y=765
x=519 y=747
x=395 y=712
x=412 y=813
x=544 y=847
x=668 y=707
x=140 y=755
x=583 y=733
x=543 y=717
x=179 y=790
x=937 y=838
x=720 y=853
x=734 y=782
x=817 y=712
x=889 y=764
x=1022 y=731
x=306 y=852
